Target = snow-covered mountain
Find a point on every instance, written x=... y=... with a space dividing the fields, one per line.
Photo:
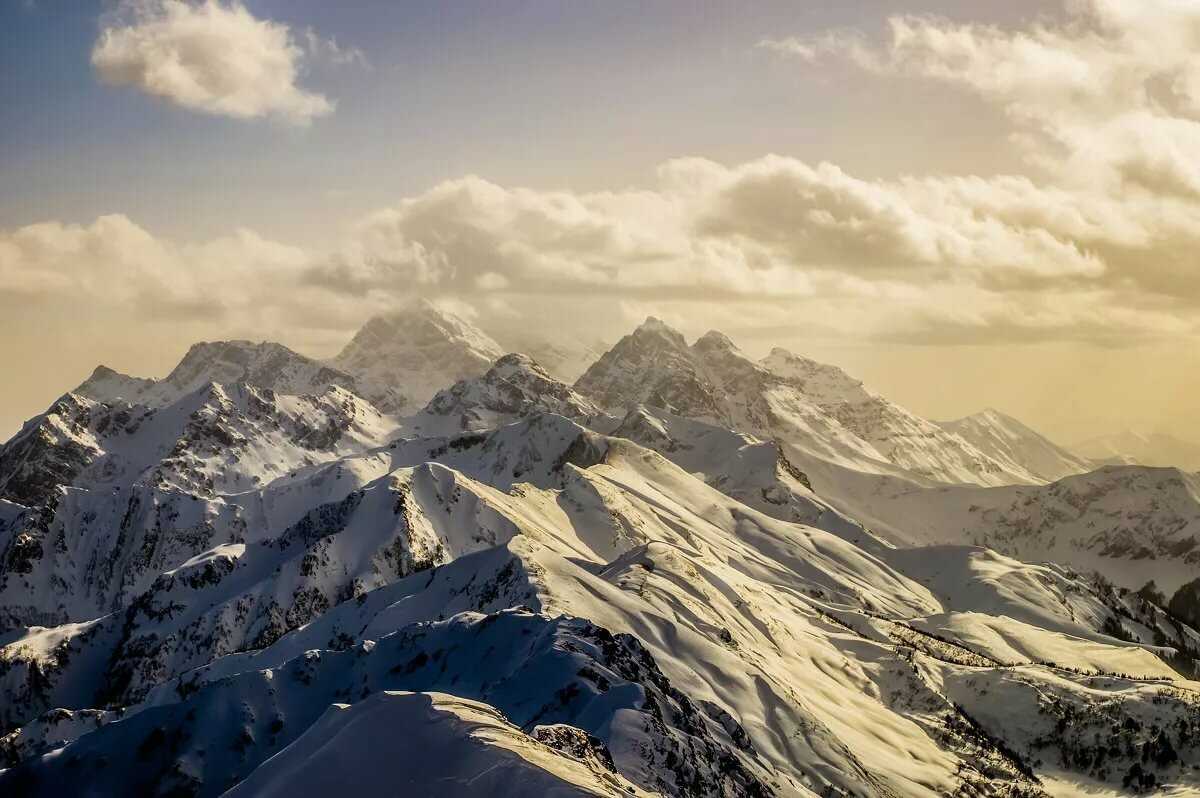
x=1016 y=446
x=615 y=608
x=514 y=387
x=102 y=498
x=563 y=358
x=812 y=406
x=1130 y=447
x=1131 y=523
x=904 y=438
x=400 y=360
x=397 y=362
x=653 y=582
x=264 y=365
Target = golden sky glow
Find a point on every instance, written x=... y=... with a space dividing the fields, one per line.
x=1030 y=245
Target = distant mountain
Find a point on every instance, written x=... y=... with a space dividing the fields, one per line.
x=400 y=360
x=563 y=358
x=1016 y=446
x=397 y=362
x=904 y=438
x=264 y=365
x=815 y=407
x=1148 y=449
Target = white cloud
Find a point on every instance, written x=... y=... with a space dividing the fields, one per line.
x=209 y=56
x=1105 y=102
x=115 y=269
x=773 y=227
x=1095 y=244
x=1108 y=96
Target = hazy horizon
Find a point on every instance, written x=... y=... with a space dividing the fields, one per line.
x=965 y=206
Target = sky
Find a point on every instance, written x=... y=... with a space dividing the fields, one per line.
x=966 y=204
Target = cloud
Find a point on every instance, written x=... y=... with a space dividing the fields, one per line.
x=1107 y=96
x=773 y=243
x=773 y=227
x=213 y=57
x=1104 y=101
x=1096 y=244
x=114 y=269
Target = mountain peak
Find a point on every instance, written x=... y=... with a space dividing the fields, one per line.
x=714 y=341
x=400 y=359
x=102 y=372
x=1016 y=446
x=654 y=327
x=515 y=362
x=421 y=323
x=514 y=387
x=628 y=373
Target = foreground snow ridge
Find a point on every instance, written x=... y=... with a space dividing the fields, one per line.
x=432 y=568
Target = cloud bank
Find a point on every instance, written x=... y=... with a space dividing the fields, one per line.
x=1095 y=244
x=212 y=57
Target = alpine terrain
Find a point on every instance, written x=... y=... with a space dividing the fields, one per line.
x=431 y=567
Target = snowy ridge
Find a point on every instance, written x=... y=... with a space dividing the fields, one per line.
x=513 y=388
x=700 y=595
x=449 y=745
x=263 y=365
x=1130 y=447
x=905 y=439
x=111 y=495
x=809 y=405
x=1016 y=446
x=1131 y=523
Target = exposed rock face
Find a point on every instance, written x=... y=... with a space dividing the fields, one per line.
x=53 y=448
x=1185 y=604
x=652 y=365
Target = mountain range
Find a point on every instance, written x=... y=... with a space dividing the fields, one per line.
x=1130 y=447
x=433 y=567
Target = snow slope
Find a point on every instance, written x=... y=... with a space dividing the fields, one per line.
x=264 y=593
x=725 y=652
x=425 y=744
x=1130 y=523
x=1016 y=446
